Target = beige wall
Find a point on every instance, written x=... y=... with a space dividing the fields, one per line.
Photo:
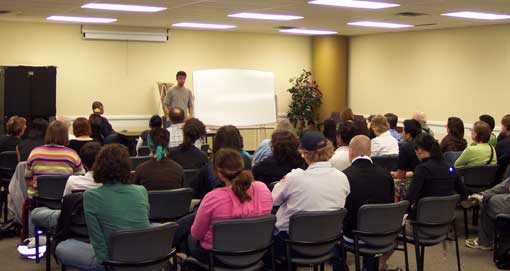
x=123 y=74
x=457 y=72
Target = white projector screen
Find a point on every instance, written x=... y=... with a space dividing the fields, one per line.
x=234 y=96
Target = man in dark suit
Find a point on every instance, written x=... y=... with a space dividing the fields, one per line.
x=370 y=184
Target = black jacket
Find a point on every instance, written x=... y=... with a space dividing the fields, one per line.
x=269 y=170
x=71 y=223
x=370 y=184
x=503 y=154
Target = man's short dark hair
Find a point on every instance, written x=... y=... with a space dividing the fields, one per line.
x=489 y=120
x=346 y=130
x=176 y=115
x=392 y=120
x=412 y=127
x=88 y=153
x=181 y=73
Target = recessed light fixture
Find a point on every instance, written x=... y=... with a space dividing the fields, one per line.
x=203 y=25
x=304 y=31
x=76 y=19
x=354 y=4
x=265 y=16
x=477 y=15
x=121 y=7
x=379 y=24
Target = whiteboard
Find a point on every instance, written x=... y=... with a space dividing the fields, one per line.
x=234 y=96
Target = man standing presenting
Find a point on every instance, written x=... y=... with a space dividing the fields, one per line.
x=180 y=96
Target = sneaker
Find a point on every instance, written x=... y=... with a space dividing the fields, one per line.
x=471 y=201
x=473 y=243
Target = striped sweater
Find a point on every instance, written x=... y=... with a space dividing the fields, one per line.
x=51 y=160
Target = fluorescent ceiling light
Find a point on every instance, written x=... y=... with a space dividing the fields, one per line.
x=354 y=4
x=379 y=24
x=308 y=31
x=81 y=19
x=204 y=25
x=477 y=15
x=265 y=16
x=120 y=7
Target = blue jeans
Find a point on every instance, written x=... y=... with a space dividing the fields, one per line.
x=43 y=217
x=77 y=254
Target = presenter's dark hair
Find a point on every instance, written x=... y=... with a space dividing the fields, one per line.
x=176 y=115
x=155 y=121
x=228 y=136
x=96 y=104
x=112 y=165
x=193 y=130
x=392 y=120
x=489 y=120
x=456 y=127
x=428 y=143
x=412 y=127
x=181 y=73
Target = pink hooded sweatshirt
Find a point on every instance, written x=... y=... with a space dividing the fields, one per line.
x=222 y=203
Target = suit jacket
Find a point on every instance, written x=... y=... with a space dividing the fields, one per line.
x=370 y=184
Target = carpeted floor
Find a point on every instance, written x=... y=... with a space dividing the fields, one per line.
x=438 y=258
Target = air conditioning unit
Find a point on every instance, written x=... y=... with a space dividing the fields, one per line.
x=124 y=33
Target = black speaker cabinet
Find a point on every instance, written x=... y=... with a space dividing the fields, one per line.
x=27 y=91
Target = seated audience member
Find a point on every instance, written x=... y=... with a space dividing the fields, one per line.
x=187 y=154
x=384 y=143
x=240 y=197
x=160 y=172
x=422 y=119
x=347 y=115
x=407 y=159
x=369 y=184
x=393 y=120
x=482 y=153
x=53 y=158
x=319 y=187
x=371 y=133
x=106 y=127
x=263 y=151
x=47 y=218
x=493 y=202
x=154 y=122
x=82 y=132
x=284 y=158
x=454 y=140
x=35 y=138
x=503 y=146
x=176 y=123
x=15 y=129
x=95 y=128
x=330 y=131
x=346 y=131
x=360 y=125
x=226 y=137
x=492 y=124
x=114 y=206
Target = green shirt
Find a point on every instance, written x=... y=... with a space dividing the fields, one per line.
x=478 y=154
x=114 y=207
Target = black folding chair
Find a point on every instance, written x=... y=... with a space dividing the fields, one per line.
x=144 y=151
x=238 y=244
x=388 y=162
x=451 y=156
x=502 y=237
x=169 y=205
x=8 y=163
x=135 y=161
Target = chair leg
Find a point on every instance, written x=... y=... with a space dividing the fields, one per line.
x=289 y=260
x=466 y=228
x=422 y=258
x=356 y=253
x=456 y=245
x=476 y=211
x=406 y=256
x=6 y=203
x=417 y=249
x=36 y=236
x=315 y=268
x=48 y=251
x=322 y=267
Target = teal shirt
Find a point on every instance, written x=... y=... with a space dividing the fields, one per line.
x=474 y=155
x=114 y=207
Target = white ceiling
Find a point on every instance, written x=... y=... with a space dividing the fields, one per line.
x=216 y=11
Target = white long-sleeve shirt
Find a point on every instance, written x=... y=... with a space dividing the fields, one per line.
x=384 y=144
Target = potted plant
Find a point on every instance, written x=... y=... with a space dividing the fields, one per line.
x=306 y=100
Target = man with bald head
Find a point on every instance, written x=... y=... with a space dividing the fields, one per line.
x=370 y=184
x=422 y=119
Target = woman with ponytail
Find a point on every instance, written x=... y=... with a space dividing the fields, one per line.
x=160 y=172
x=433 y=177
x=241 y=197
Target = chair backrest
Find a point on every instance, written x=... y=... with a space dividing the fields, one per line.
x=50 y=190
x=438 y=211
x=144 y=151
x=324 y=228
x=135 y=161
x=388 y=162
x=478 y=178
x=383 y=221
x=451 y=156
x=8 y=163
x=190 y=177
x=243 y=234
x=168 y=205
x=138 y=246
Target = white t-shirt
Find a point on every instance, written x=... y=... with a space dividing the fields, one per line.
x=318 y=188
x=340 y=159
x=384 y=144
x=80 y=182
